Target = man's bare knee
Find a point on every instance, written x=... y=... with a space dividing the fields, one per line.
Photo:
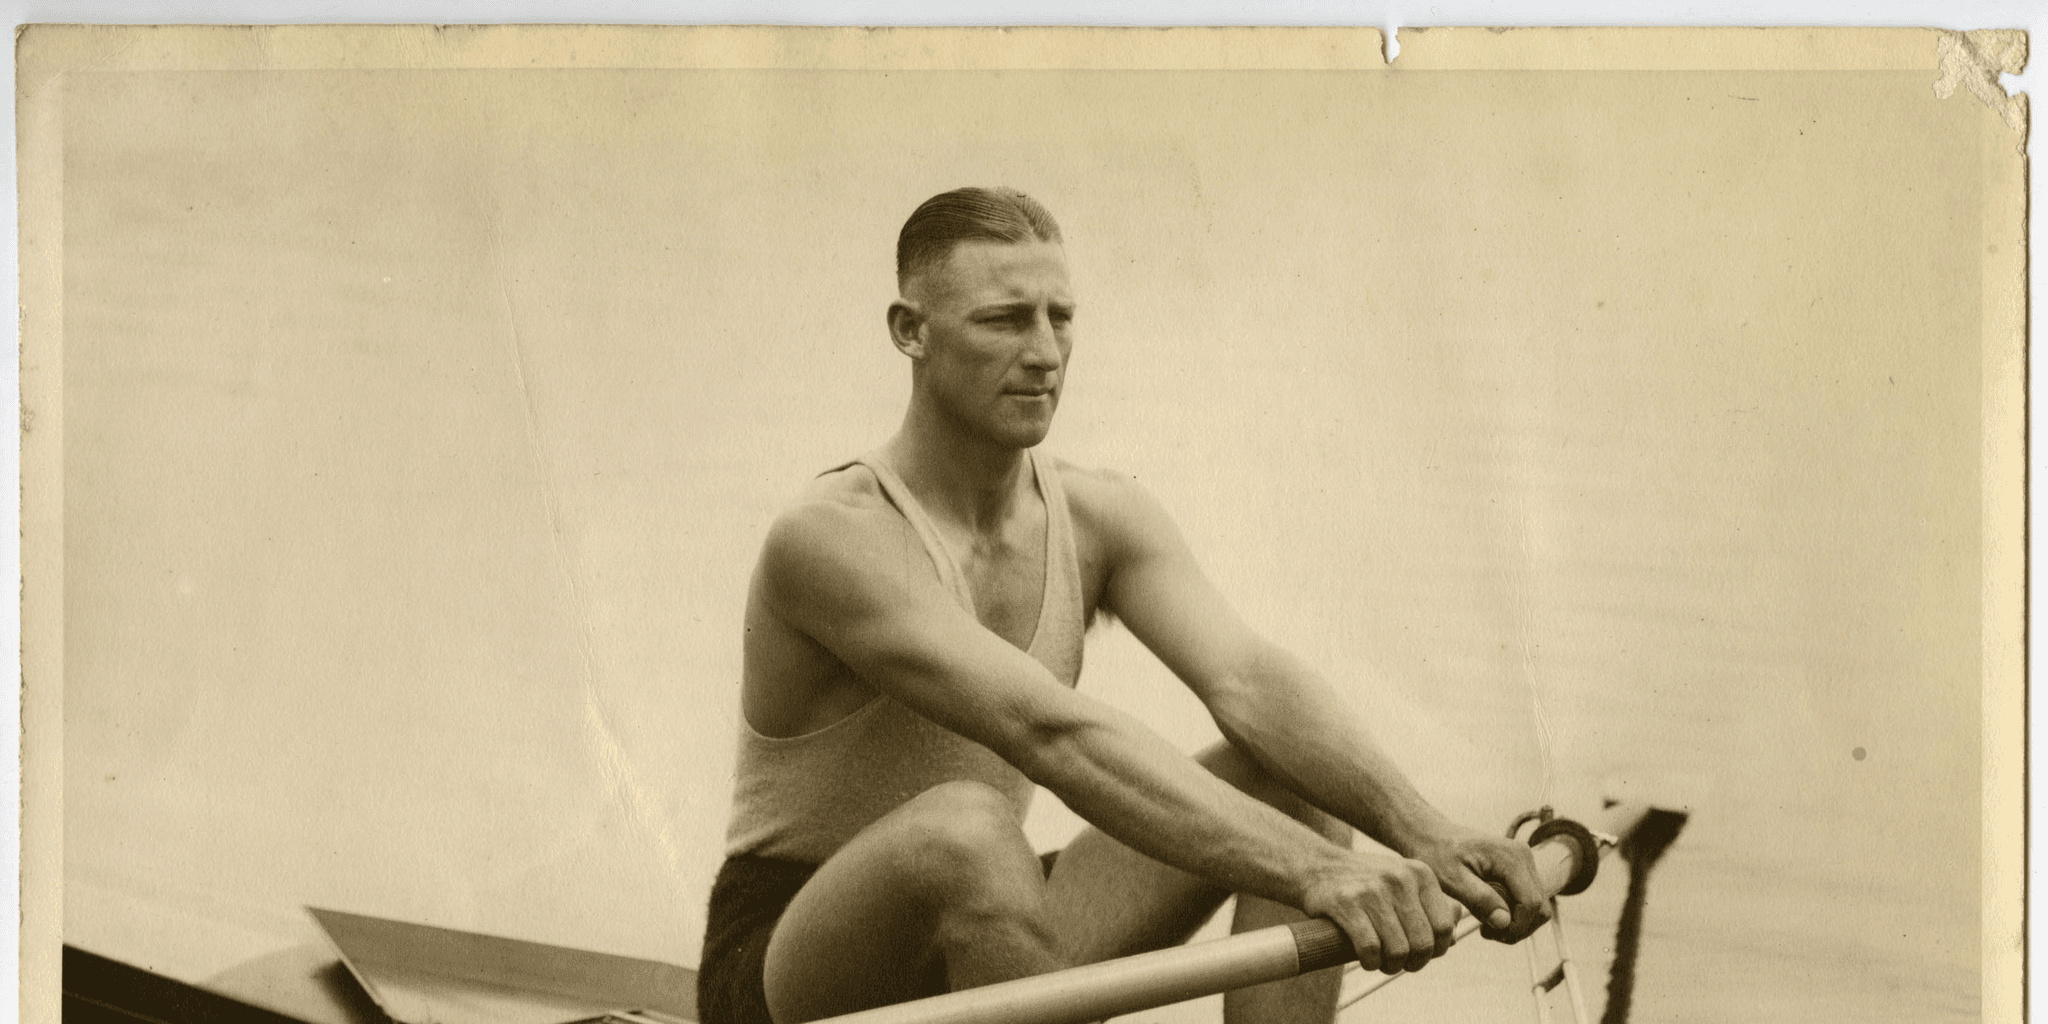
x=1227 y=762
x=963 y=845
x=957 y=834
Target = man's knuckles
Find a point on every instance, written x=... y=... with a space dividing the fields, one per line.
x=1394 y=959
x=1368 y=951
x=1404 y=882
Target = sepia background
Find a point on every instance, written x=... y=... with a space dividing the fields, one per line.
x=1598 y=430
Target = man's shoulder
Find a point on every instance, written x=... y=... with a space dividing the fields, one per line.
x=852 y=486
x=843 y=510
x=1109 y=503
x=1094 y=486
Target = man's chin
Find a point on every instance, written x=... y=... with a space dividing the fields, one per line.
x=1027 y=440
x=1015 y=430
x=1025 y=435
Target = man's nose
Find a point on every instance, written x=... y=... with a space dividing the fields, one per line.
x=1043 y=349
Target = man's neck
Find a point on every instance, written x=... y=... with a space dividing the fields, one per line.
x=965 y=480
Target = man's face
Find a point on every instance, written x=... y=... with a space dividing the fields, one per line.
x=996 y=333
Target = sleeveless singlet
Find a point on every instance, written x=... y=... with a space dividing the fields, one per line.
x=803 y=797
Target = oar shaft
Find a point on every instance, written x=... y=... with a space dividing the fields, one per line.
x=1113 y=987
x=1106 y=989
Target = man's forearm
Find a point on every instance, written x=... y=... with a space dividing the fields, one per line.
x=1287 y=719
x=1151 y=797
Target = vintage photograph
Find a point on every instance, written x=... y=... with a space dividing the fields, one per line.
x=752 y=525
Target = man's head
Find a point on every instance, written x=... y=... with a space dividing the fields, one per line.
x=984 y=315
x=967 y=214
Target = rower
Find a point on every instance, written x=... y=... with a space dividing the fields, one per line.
x=913 y=637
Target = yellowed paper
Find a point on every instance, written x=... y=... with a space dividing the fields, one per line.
x=1601 y=409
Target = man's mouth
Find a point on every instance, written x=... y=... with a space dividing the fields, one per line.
x=1029 y=392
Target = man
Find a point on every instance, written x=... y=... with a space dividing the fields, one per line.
x=913 y=635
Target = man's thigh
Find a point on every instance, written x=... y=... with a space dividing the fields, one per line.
x=1106 y=900
x=850 y=941
x=864 y=931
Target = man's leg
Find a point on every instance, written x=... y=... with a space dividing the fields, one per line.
x=1106 y=900
x=944 y=887
x=1309 y=999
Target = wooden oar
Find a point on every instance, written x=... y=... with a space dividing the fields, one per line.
x=1134 y=983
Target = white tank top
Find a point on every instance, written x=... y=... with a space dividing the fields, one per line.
x=803 y=797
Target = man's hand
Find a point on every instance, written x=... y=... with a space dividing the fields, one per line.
x=1397 y=917
x=1493 y=877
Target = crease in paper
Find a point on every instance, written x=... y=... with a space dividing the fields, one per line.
x=635 y=797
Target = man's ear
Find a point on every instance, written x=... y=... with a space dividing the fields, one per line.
x=906 y=328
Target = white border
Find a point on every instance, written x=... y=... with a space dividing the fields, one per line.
x=2031 y=15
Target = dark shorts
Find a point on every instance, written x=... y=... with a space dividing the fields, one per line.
x=747 y=899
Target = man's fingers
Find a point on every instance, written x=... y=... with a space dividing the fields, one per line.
x=1499 y=885
x=1393 y=936
x=1400 y=916
x=1502 y=917
x=1519 y=875
x=1489 y=903
x=1443 y=919
x=1429 y=915
x=1421 y=935
x=1365 y=941
x=1531 y=908
x=1486 y=900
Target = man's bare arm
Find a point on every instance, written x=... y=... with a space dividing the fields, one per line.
x=847 y=577
x=1287 y=718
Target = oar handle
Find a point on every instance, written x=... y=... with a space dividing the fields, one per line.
x=1114 y=987
x=1566 y=856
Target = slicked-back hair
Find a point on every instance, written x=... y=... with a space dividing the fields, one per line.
x=967 y=214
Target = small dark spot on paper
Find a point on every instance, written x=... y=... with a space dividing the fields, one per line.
x=1858 y=754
